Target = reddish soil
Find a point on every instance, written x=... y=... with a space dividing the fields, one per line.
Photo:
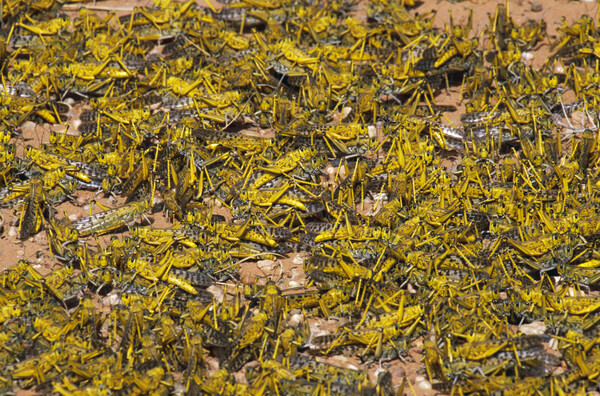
x=288 y=272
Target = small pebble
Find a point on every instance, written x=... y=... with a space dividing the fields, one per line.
x=81 y=201
x=213 y=365
x=75 y=216
x=239 y=377
x=526 y=56
x=298 y=260
x=345 y=111
x=217 y=292
x=423 y=383
x=380 y=197
x=572 y=292
x=28 y=125
x=13 y=231
x=536 y=6
x=112 y=298
x=157 y=200
x=295 y=319
x=179 y=389
x=330 y=170
x=372 y=131
x=533 y=328
x=266 y=265
x=294 y=284
x=340 y=360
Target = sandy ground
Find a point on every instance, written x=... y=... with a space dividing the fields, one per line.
x=288 y=272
